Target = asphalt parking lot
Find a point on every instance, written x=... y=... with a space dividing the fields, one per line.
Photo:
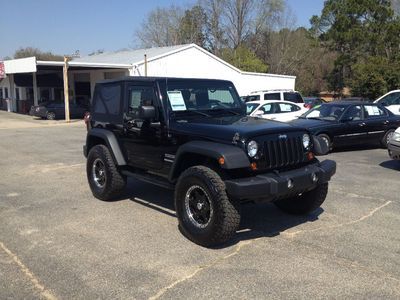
x=58 y=242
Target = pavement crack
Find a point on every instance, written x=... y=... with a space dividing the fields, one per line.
x=32 y=278
x=368 y=215
x=238 y=248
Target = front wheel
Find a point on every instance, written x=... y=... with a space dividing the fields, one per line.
x=206 y=214
x=50 y=115
x=304 y=203
x=104 y=179
x=326 y=140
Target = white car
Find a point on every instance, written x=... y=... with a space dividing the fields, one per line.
x=391 y=100
x=283 y=95
x=283 y=111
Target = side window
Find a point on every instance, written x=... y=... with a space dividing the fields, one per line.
x=293 y=97
x=286 y=108
x=140 y=96
x=1 y=93
x=353 y=113
x=372 y=111
x=391 y=99
x=272 y=96
x=266 y=109
x=108 y=100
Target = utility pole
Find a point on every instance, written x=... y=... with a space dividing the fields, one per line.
x=66 y=91
x=145 y=65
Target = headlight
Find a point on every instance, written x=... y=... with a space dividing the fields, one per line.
x=396 y=137
x=306 y=141
x=252 y=148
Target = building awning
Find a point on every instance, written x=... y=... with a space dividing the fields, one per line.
x=43 y=80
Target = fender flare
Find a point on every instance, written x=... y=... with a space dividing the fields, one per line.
x=235 y=157
x=111 y=141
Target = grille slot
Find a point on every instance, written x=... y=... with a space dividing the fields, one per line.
x=283 y=152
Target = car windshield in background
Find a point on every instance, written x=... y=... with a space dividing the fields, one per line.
x=202 y=96
x=293 y=97
x=325 y=112
x=250 y=107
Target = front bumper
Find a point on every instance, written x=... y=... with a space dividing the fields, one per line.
x=274 y=185
x=394 y=149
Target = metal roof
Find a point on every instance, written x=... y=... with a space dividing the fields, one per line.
x=130 y=56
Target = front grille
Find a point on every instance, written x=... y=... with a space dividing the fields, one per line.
x=283 y=152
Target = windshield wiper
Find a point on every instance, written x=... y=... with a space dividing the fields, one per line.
x=195 y=112
x=224 y=109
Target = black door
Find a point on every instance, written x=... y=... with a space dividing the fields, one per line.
x=143 y=138
x=353 y=130
x=377 y=121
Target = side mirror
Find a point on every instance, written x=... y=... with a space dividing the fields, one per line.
x=258 y=113
x=147 y=112
x=320 y=147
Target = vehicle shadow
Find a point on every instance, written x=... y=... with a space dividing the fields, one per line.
x=257 y=220
x=356 y=148
x=391 y=164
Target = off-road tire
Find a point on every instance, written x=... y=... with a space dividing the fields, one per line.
x=225 y=218
x=384 y=141
x=326 y=139
x=115 y=182
x=305 y=203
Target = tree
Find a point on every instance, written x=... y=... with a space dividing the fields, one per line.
x=244 y=59
x=357 y=30
x=39 y=54
x=161 y=28
x=192 y=26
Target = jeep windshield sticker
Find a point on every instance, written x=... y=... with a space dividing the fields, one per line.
x=176 y=100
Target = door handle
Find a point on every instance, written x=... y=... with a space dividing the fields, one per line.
x=385 y=122
x=362 y=124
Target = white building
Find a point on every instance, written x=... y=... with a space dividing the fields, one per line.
x=32 y=80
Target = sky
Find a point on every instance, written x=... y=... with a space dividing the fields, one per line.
x=64 y=26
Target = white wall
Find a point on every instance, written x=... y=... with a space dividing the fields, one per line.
x=196 y=64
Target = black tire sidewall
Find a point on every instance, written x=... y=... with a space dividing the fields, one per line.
x=326 y=137
x=98 y=152
x=184 y=221
x=384 y=141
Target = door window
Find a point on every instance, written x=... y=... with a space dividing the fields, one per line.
x=108 y=100
x=353 y=113
x=140 y=96
x=267 y=109
x=272 y=96
x=293 y=97
x=287 y=108
x=373 y=111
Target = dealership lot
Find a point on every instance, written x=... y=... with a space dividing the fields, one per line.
x=58 y=242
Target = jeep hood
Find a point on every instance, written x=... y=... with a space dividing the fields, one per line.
x=225 y=128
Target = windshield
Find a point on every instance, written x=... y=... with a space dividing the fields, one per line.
x=202 y=95
x=325 y=112
x=250 y=107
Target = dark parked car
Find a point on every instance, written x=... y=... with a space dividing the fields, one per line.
x=55 y=110
x=350 y=123
x=311 y=102
x=193 y=136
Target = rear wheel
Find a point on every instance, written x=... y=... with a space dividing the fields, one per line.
x=206 y=214
x=306 y=202
x=386 y=138
x=104 y=179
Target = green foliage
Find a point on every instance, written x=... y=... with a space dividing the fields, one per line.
x=244 y=59
x=375 y=77
x=192 y=26
x=40 y=55
x=366 y=36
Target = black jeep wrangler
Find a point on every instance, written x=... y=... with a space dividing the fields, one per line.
x=193 y=136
